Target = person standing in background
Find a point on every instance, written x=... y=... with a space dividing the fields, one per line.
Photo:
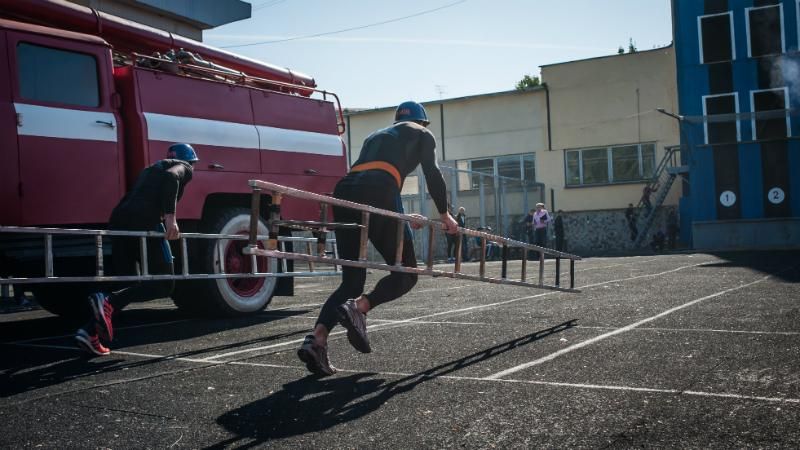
x=461 y=219
x=558 y=226
x=541 y=219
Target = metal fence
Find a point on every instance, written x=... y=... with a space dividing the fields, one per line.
x=492 y=201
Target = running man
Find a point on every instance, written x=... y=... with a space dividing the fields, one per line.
x=149 y=206
x=387 y=157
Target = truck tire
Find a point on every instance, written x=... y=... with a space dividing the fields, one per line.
x=226 y=296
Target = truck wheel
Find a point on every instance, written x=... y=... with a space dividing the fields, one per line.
x=229 y=296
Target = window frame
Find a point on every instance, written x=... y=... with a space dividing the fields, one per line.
x=785 y=91
x=99 y=82
x=700 y=34
x=736 y=111
x=610 y=164
x=747 y=28
x=520 y=161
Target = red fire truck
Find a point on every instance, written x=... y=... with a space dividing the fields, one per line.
x=87 y=100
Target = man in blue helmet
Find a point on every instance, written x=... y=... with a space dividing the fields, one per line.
x=387 y=157
x=149 y=206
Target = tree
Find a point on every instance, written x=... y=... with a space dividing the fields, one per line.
x=527 y=82
x=631 y=46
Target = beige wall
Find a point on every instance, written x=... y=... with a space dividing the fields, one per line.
x=603 y=102
x=596 y=102
x=505 y=123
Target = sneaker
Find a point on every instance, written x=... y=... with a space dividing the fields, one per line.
x=356 y=323
x=90 y=343
x=102 y=310
x=316 y=357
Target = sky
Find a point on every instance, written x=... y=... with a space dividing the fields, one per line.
x=375 y=54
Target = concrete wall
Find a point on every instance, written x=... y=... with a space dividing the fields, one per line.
x=504 y=123
x=605 y=102
x=779 y=234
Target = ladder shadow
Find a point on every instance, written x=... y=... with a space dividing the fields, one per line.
x=313 y=404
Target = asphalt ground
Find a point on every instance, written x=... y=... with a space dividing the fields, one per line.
x=676 y=351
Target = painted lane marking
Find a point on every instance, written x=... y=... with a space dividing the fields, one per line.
x=676 y=392
x=617 y=331
x=426 y=316
x=701 y=330
x=131 y=327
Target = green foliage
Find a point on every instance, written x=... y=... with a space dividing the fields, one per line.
x=631 y=46
x=528 y=82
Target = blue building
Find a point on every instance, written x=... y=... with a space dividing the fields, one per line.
x=738 y=71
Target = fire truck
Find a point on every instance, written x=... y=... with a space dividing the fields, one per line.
x=87 y=100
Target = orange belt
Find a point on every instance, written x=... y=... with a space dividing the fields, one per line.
x=380 y=165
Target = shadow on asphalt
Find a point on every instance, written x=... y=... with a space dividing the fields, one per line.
x=782 y=264
x=25 y=368
x=314 y=404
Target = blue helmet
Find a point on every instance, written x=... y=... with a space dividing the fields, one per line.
x=411 y=112
x=183 y=152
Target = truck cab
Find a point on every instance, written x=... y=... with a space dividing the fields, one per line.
x=58 y=125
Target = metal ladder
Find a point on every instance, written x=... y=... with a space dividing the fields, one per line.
x=50 y=276
x=277 y=192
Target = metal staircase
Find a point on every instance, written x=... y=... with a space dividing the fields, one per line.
x=660 y=185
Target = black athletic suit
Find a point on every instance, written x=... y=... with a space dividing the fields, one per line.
x=155 y=194
x=404 y=145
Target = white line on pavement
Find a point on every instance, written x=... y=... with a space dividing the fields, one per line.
x=699 y=330
x=617 y=331
x=471 y=308
x=463 y=378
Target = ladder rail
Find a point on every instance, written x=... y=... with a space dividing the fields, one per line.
x=51 y=277
x=497 y=242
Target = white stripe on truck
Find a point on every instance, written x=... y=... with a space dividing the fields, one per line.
x=162 y=127
x=64 y=123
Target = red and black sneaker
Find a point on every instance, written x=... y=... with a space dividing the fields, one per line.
x=102 y=311
x=90 y=343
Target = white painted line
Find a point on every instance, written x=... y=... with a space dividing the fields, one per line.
x=700 y=330
x=65 y=123
x=587 y=342
x=460 y=378
x=454 y=311
x=147 y=325
x=422 y=322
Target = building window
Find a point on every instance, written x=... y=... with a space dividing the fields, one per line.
x=775 y=124
x=485 y=172
x=721 y=124
x=604 y=165
x=57 y=76
x=519 y=167
x=765 y=31
x=715 y=34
